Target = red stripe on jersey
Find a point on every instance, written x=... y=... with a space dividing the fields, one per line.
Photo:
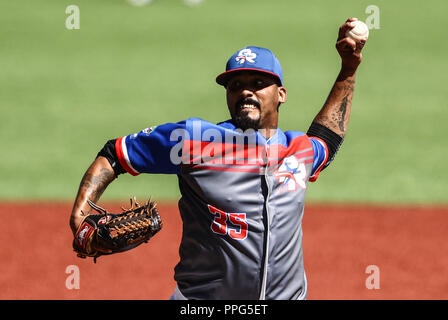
x=314 y=177
x=218 y=168
x=234 y=168
x=223 y=153
x=122 y=157
x=196 y=152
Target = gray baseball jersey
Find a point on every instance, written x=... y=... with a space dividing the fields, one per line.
x=242 y=204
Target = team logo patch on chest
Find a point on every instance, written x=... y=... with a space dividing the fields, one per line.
x=291 y=174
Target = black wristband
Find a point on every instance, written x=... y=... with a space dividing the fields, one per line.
x=110 y=154
x=331 y=138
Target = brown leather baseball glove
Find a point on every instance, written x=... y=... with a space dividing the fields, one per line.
x=107 y=233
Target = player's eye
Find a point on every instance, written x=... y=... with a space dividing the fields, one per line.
x=259 y=84
x=234 y=85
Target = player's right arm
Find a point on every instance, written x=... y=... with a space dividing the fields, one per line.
x=149 y=151
x=95 y=180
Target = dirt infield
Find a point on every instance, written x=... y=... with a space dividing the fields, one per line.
x=407 y=246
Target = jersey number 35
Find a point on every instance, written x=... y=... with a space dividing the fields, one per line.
x=233 y=224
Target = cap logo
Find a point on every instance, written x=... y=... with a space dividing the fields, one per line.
x=246 y=55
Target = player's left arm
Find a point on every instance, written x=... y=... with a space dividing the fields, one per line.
x=330 y=124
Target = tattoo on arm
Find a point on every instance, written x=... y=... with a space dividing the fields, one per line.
x=336 y=111
x=94 y=185
x=341 y=113
x=95 y=180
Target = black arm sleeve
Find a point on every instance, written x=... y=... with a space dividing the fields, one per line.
x=110 y=154
x=332 y=139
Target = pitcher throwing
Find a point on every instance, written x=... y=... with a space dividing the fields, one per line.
x=242 y=181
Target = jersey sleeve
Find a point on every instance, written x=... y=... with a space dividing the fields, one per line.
x=153 y=150
x=320 y=157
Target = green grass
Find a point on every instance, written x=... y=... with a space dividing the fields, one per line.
x=65 y=92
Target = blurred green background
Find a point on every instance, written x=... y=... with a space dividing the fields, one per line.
x=64 y=93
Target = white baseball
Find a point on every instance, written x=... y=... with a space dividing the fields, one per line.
x=359 y=32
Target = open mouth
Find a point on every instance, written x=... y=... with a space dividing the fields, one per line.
x=247 y=104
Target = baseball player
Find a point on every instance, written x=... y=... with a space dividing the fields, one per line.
x=242 y=181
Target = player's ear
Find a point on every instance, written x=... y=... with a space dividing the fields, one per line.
x=282 y=95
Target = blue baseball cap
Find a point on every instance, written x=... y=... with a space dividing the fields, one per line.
x=252 y=58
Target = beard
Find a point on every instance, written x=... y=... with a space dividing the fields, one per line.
x=242 y=120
